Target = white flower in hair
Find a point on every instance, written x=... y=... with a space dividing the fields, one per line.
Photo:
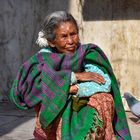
x=41 y=40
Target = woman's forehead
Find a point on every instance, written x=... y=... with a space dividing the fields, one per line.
x=64 y=26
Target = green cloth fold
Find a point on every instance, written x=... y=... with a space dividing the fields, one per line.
x=45 y=79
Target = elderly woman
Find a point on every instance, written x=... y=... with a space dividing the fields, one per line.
x=71 y=86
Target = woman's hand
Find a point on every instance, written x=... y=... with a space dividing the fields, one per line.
x=73 y=89
x=89 y=76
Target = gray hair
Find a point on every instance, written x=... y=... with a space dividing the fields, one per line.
x=51 y=22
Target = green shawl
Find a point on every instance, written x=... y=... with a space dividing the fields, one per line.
x=45 y=78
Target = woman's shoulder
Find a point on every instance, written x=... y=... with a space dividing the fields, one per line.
x=47 y=50
x=91 y=46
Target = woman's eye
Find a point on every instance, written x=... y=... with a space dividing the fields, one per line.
x=73 y=34
x=63 y=36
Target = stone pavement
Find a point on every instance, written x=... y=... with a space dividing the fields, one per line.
x=16 y=124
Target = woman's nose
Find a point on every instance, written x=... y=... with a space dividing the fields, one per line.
x=69 y=40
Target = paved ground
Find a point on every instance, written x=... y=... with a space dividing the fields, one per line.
x=18 y=125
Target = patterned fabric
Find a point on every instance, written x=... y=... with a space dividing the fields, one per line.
x=45 y=78
x=83 y=87
x=85 y=91
x=53 y=131
x=102 y=102
x=73 y=78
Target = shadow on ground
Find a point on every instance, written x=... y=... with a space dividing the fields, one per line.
x=12 y=118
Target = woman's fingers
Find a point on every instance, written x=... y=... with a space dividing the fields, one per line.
x=97 y=78
x=90 y=76
x=73 y=89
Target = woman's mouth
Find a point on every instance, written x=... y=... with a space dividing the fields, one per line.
x=70 y=48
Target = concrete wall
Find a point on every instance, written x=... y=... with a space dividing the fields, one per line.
x=112 y=25
x=20 y=22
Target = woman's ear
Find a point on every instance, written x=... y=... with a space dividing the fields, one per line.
x=51 y=43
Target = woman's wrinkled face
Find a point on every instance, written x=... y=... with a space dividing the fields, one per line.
x=67 y=38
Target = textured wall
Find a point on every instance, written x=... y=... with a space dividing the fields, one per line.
x=113 y=25
x=20 y=22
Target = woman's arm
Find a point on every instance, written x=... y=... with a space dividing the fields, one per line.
x=100 y=81
x=90 y=76
x=83 y=77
